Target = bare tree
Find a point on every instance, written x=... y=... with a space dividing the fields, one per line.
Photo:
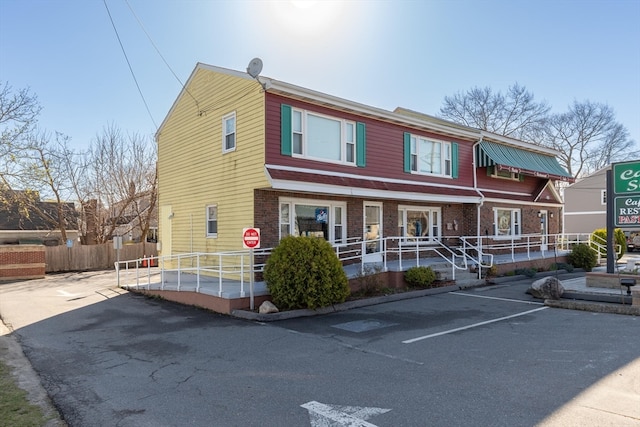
x=18 y=116
x=515 y=114
x=589 y=138
x=121 y=178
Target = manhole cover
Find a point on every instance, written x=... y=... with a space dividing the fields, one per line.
x=363 y=325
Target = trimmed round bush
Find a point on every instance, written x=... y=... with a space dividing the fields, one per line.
x=420 y=277
x=582 y=256
x=304 y=272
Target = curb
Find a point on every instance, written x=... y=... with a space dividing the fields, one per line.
x=291 y=314
x=596 y=307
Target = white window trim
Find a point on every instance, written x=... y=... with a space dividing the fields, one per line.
x=516 y=220
x=514 y=176
x=224 y=130
x=331 y=204
x=402 y=214
x=603 y=197
x=211 y=235
x=446 y=157
x=343 y=138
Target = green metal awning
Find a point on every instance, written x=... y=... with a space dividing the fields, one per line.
x=518 y=160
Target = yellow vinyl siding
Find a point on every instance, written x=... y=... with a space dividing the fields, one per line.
x=194 y=172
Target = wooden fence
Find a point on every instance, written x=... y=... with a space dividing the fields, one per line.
x=93 y=257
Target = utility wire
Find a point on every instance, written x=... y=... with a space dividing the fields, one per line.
x=160 y=54
x=129 y=64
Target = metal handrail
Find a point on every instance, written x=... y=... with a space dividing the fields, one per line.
x=234 y=265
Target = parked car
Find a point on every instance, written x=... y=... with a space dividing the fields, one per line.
x=633 y=240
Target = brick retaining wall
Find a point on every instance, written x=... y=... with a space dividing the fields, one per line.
x=21 y=262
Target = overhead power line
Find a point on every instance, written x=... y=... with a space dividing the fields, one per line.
x=129 y=64
x=160 y=54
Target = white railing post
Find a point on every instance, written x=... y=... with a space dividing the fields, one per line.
x=198 y=272
x=220 y=275
x=242 y=294
x=179 y=272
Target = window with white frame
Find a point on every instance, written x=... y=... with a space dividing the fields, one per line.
x=603 y=197
x=430 y=156
x=229 y=132
x=504 y=174
x=419 y=224
x=212 y=221
x=507 y=222
x=322 y=137
x=317 y=218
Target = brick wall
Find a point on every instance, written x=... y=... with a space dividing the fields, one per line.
x=22 y=262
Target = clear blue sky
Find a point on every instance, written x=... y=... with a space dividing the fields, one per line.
x=381 y=53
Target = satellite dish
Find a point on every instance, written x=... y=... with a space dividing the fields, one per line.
x=255 y=67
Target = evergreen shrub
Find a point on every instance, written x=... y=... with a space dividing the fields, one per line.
x=304 y=272
x=582 y=256
x=420 y=277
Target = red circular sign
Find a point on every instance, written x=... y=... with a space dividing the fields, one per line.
x=251 y=238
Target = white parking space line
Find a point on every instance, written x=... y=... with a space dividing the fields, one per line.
x=496 y=298
x=450 y=331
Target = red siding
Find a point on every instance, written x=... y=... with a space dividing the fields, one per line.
x=385 y=146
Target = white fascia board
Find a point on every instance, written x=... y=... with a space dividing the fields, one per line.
x=338 y=190
x=287 y=88
x=306 y=187
x=511 y=193
x=520 y=202
x=365 y=177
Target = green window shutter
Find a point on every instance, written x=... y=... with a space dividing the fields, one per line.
x=407 y=152
x=520 y=177
x=454 y=159
x=361 y=145
x=285 y=130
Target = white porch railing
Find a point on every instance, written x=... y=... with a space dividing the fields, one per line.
x=234 y=266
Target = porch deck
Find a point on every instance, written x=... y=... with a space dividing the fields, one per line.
x=224 y=295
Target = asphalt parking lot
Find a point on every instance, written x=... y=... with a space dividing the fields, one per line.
x=484 y=356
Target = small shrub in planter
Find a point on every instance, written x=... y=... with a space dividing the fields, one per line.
x=304 y=272
x=528 y=272
x=420 y=277
x=582 y=256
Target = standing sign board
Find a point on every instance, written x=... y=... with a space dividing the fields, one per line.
x=626 y=194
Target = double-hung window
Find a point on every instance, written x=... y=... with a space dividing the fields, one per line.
x=212 y=221
x=428 y=156
x=229 y=132
x=321 y=137
x=507 y=222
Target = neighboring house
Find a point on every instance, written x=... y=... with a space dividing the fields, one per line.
x=33 y=221
x=234 y=152
x=130 y=221
x=585 y=203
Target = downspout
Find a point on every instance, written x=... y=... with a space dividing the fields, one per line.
x=479 y=205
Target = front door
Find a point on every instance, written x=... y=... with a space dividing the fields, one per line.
x=372 y=235
x=544 y=230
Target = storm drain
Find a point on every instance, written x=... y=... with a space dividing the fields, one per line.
x=363 y=325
